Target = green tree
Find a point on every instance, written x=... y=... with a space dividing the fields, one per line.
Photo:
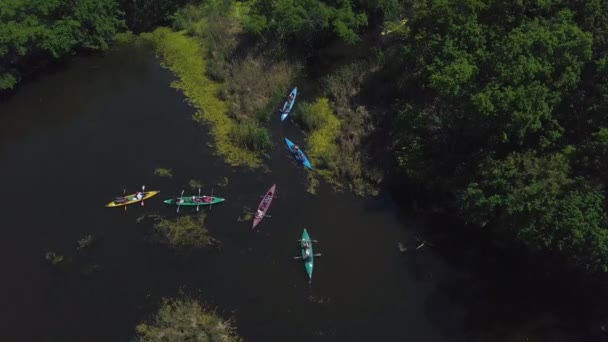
x=533 y=198
x=32 y=32
x=304 y=21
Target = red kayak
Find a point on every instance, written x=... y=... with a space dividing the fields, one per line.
x=264 y=205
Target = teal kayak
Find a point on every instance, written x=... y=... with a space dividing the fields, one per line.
x=195 y=200
x=307 y=254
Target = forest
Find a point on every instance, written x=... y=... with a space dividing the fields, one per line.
x=494 y=110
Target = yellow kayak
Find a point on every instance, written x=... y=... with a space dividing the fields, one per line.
x=130 y=199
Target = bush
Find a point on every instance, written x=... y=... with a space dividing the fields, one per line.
x=251 y=135
x=184 y=320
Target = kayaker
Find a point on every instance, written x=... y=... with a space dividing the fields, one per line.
x=139 y=195
x=207 y=199
x=259 y=214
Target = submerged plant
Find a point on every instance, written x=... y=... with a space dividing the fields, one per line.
x=53 y=258
x=195 y=184
x=162 y=172
x=184 y=319
x=223 y=182
x=184 y=232
x=84 y=242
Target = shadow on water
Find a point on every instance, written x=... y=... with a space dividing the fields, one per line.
x=484 y=293
x=35 y=106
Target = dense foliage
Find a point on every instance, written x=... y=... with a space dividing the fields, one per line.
x=506 y=110
x=34 y=31
x=304 y=22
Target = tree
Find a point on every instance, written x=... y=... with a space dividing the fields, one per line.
x=304 y=21
x=35 y=31
x=533 y=198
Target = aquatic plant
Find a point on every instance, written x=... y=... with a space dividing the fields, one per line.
x=246 y=215
x=222 y=183
x=195 y=184
x=84 y=242
x=162 y=172
x=53 y=258
x=185 y=319
x=184 y=232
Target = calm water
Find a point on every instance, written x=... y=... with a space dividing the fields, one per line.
x=74 y=138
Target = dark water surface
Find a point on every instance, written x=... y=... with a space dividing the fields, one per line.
x=73 y=139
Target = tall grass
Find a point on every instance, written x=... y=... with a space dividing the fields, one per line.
x=251 y=135
x=248 y=85
x=185 y=56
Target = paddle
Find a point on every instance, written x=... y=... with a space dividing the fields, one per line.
x=143 y=194
x=299 y=257
x=199 y=195
x=211 y=203
x=124 y=191
x=254 y=214
x=310 y=240
x=179 y=201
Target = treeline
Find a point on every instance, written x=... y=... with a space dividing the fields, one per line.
x=505 y=108
x=35 y=32
x=501 y=105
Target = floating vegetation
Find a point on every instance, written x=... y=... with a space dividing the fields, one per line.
x=195 y=184
x=162 y=172
x=84 y=242
x=53 y=258
x=184 y=319
x=313 y=183
x=247 y=215
x=223 y=183
x=184 y=232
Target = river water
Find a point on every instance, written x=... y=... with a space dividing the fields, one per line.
x=75 y=137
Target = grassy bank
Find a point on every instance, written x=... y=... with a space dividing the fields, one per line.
x=185 y=57
x=337 y=127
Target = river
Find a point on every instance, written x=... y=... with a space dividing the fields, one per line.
x=76 y=136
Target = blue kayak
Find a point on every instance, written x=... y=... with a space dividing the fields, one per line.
x=288 y=105
x=299 y=155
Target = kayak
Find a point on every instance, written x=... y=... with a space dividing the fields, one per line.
x=194 y=200
x=301 y=157
x=288 y=105
x=264 y=205
x=308 y=264
x=130 y=199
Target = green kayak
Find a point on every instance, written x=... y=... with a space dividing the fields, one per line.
x=307 y=254
x=195 y=200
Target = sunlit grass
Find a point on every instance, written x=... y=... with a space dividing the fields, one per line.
x=185 y=56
